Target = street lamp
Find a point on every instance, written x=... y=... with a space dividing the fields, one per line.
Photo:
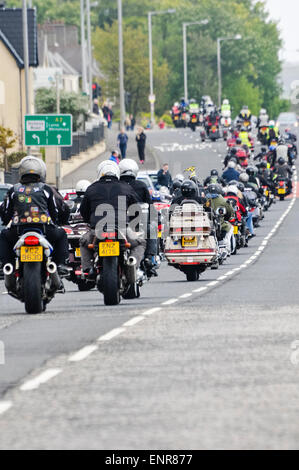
x=219 y=40
x=121 y=65
x=185 y=26
x=90 y=60
x=150 y=41
x=83 y=51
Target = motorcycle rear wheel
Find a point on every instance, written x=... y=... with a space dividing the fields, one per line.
x=33 y=288
x=111 y=281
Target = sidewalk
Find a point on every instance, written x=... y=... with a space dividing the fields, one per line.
x=88 y=171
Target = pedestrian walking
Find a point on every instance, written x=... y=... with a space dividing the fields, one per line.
x=122 y=141
x=141 y=141
x=133 y=122
x=128 y=123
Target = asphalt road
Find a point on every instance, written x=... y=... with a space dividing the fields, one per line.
x=205 y=365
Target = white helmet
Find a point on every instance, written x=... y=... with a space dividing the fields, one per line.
x=82 y=186
x=232 y=164
x=128 y=167
x=271 y=123
x=31 y=165
x=233 y=189
x=108 y=168
x=225 y=102
x=180 y=178
x=244 y=178
x=263 y=111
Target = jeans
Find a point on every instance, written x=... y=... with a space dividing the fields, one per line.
x=123 y=150
x=249 y=223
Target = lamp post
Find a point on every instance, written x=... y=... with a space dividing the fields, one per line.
x=185 y=26
x=219 y=40
x=90 y=60
x=121 y=66
x=150 y=41
x=83 y=51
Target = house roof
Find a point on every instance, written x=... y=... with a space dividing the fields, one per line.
x=11 y=26
x=11 y=49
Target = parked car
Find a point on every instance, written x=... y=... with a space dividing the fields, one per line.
x=150 y=178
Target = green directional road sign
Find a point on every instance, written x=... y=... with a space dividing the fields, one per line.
x=51 y=130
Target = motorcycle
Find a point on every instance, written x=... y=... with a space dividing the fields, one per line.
x=281 y=189
x=263 y=135
x=191 y=246
x=194 y=121
x=115 y=268
x=74 y=233
x=33 y=279
x=243 y=157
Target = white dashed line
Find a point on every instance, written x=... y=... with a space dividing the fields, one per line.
x=5 y=406
x=83 y=353
x=134 y=321
x=112 y=334
x=185 y=296
x=202 y=289
x=170 y=302
x=151 y=311
x=41 y=379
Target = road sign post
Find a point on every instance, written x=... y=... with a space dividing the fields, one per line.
x=52 y=130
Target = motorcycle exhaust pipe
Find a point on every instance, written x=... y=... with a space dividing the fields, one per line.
x=131 y=270
x=52 y=270
x=9 y=278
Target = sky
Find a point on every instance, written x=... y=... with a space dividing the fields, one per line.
x=287 y=12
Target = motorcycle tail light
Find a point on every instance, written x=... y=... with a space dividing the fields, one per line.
x=109 y=235
x=31 y=241
x=281 y=183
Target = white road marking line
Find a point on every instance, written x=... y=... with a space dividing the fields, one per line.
x=185 y=296
x=170 y=302
x=5 y=406
x=202 y=289
x=83 y=353
x=230 y=273
x=134 y=321
x=151 y=311
x=4 y=293
x=222 y=278
x=112 y=334
x=212 y=284
x=41 y=379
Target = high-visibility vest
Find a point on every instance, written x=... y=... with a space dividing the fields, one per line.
x=226 y=108
x=245 y=138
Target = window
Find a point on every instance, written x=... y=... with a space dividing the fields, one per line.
x=2 y=92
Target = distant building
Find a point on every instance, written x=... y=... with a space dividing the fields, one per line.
x=59 y=48
x=12 y=74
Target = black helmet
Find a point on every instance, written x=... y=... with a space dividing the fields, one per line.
x=250 y=171
x=176 y=184
x=214 y=173
x=264 y=165
x=281 y=161
x=195 y=180
x=189 y=189
x=214 y=189
x=239 y=142
x=233 y=151
x=264 y=149
x=241 y=186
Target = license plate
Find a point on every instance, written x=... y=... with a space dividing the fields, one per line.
x=267 y=193
x=236 y=230
x=78 y=253
x=281 y=191
x=192 y=241
x=159 y=234
x=109 y=249
x=32 y=254
x=194 y=120
x=214 y=128
x=176 y=118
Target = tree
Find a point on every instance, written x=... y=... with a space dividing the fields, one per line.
x=240 y=92
x=70 y=103
x=7 y=141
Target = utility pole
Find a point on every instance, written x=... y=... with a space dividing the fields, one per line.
x=58 y=154
x=89 y=55
x=150 y=42
x=26 y=58
x=219 y=72
x=121 y=66
x=83 y=51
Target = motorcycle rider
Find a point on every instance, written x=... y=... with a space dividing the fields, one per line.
x=189 y=191
x=245 y=114
x=273 y=133
x=214 y=178
x=283 y=170
x=106 y=192
x=231 y=173
x=226 y=109
x=215 y=200
x=263 y=121
x=128 y=174
x=245 y=138
x=31 y=204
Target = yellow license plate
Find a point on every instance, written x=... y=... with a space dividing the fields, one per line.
x=159 y=234
x=281 y=191
x=236 y=230
x=176 y=118
x=267 y=193
x=32 y=254
x=192 y=241
x=78 y=253
x=194 y=120
x=109 y=249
